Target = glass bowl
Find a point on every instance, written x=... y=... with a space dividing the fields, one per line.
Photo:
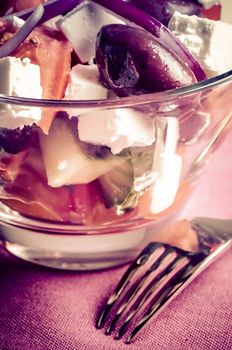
x=58 y=213
x=103 y=214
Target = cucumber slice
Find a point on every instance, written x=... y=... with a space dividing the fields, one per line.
x=117 y=184
x=123 y=184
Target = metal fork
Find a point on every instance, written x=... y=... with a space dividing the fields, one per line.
x=157 y=276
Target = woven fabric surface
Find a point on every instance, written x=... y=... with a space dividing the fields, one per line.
x=43 y=309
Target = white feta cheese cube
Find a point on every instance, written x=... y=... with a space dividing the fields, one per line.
x=19 y=78
x=16 y=21
x=84 y=84
x=81 y=26
x=167 y=184
x=167 y=166
x=117 y=128
x=52 y=23
x=205 y=39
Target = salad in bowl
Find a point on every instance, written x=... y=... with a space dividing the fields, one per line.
x=108 y=112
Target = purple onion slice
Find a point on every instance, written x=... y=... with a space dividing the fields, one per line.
x=164 y=9
x=22 y=33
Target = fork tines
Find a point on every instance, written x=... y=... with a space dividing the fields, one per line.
x=146 y=287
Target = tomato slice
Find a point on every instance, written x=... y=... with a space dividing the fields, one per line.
x=213 y=12
x=52 y=52
x=49 y=49
x=88 y=201
x=10 y=165
x=28 y=192
x=31 y=196
x=18 y=5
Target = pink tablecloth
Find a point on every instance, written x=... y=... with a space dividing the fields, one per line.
x=42 y=309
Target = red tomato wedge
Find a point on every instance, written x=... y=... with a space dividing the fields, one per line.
x=52 y=52
x=213 y=12
x=10 y=165
x=18 y=5
x=49 y=49
x=88 y=200
x=29 y=194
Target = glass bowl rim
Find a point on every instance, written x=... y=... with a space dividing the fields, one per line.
x=134 y=100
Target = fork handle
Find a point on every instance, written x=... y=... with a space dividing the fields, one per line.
x=221 y=227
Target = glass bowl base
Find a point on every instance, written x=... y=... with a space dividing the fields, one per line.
x=76 y=251
x=69 y=261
